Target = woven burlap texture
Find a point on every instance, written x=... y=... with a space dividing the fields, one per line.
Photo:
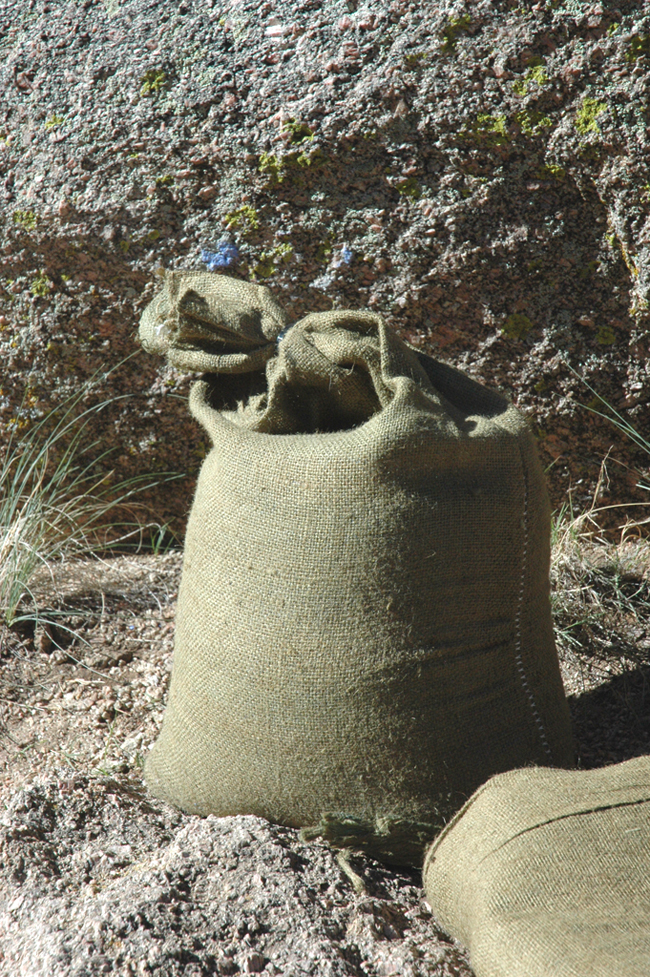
x=546 y=873
x=363 y=631
x=210 y=323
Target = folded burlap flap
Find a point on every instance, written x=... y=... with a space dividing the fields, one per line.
x=208 y=323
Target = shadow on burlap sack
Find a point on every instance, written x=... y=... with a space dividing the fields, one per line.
x=546 y=873
x=363 y=633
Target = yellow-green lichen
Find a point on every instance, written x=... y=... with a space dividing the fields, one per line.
x=551 y=171
x=25 y=219
x=536 y=73
x=54 y=120
x=244 y=218
x=605 y=336
x=533 y=123
x=454 y=28
x=270 y=261
x=587 y=114
x=276 y=166
x=409 y=187
x=492 y=128
x=152 y=81
x=639 y=47
x=164 y=181
x=272 y=165
x=41 y=285
x=325 y=248
x=416 y=59
x=517 y=326
x=299 y=132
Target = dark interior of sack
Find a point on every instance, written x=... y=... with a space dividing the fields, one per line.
x=299 y=405
x=227 y=390
x=343 y=399
x=465 y=395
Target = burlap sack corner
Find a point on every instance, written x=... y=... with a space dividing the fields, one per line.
x=546 y=873
x=363 y=632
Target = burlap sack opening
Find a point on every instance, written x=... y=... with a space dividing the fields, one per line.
x=363 y=631
x=546 y=873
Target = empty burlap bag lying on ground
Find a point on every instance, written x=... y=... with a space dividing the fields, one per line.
x=363 y=633
x=546 y=873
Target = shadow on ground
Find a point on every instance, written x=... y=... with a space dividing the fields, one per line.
x=611 y=723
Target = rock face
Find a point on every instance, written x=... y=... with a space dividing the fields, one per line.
x=96 y=880
x=478 y=173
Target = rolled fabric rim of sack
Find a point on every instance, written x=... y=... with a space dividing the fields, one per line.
x=546 y=873
x=363 y=630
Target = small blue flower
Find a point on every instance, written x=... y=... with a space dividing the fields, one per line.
x=342 y=257
x=225 y=255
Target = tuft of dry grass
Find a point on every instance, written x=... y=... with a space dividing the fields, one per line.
x=600 y=595
x=55 y=506
x=600 y=590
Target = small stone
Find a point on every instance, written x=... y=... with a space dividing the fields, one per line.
x=254 y=963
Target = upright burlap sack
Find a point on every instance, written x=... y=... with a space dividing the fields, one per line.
x=363 y=632
x=546 y=873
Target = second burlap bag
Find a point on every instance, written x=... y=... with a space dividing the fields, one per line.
x=363 y=632
x=546 y=873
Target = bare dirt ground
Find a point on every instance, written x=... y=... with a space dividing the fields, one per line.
x=98 y=878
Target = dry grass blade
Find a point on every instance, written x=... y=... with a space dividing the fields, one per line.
x=53 y=510
x=600 y=594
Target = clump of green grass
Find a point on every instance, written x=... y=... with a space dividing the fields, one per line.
x=53 y=503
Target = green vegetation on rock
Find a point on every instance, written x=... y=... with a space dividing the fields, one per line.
x=244 y=218
x=277 y=166
x=415 y=59
x=25 y=219
x=409 y=187
x=270 y=261
x=41 y=285
x=552 y=171
x=454 y=28
x=536 y=73
x=605 y=336
x=492 y=128
x=517 y=326
x=54 y=120
x=587 y=114
x=639 y=47
x=533 y=123
x=299 y=131
x=152 y=81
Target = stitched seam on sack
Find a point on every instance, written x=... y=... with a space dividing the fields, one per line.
x=565 y=817
x=519 y=661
